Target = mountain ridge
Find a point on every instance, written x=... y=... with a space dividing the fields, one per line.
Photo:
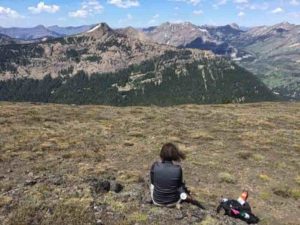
x=266 y=50
x=36 y=32
x=106 y=66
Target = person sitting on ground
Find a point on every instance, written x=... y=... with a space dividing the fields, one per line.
x=167 y=187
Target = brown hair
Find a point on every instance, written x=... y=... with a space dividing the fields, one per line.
x=245 y=195
x=169 y=152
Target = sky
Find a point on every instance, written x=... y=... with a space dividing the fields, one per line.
x=145 y=13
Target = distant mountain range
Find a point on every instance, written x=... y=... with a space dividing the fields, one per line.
x=41 y=31
x=270 y=52
x=29 y=33
x=121 y=67
x=273 y=54
x=187 y=35
x=65 y=31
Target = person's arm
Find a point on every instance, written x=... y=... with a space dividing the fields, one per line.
x=182 y=187
x=189 y=198
x=152 y=173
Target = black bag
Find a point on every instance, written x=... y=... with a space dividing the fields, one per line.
x=234 y=209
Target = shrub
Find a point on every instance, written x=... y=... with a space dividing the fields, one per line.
x=226 y=177
x=93 y=58
x=264 y=177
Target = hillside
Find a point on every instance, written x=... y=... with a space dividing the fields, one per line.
x=4 y=40
x=100 y=49
x=121 y=67
x=270 y=52
x=53 y=156
x=191 y=36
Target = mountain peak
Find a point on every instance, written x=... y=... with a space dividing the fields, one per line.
x=130 y=28
x=133 y=33
x=284 y=25
x=187 y=23
x=234 y=26
x=99 y=30
x=166 y=24
x=40 y=27
x=53 y=26
x=102 y=27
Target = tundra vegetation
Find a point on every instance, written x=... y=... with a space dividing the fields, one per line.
x=51 y=155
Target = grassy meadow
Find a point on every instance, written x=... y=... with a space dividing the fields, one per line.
x=50 y=152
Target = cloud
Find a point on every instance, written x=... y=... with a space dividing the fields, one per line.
x=241 y=1
x=277 y=10
x=42 y=7
x=294 y=15
x=124 y=3
x=80 y=13
x=89 y=7
x=254 y=6
x=9 y=13
x=198 y=12
x=219 y=3
x=177 y=21
x=129 y=17
x=241 y=14
x=193 y=2
x=92 y=6
x=295 y=2
x=154 y=18
x=127 y=20
x=261 y=6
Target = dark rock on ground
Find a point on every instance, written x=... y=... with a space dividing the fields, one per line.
x=103 y=186
x=30 y=182
x=116 y=187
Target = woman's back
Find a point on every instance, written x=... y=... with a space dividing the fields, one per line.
x=167 y=187
x=167 y=179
